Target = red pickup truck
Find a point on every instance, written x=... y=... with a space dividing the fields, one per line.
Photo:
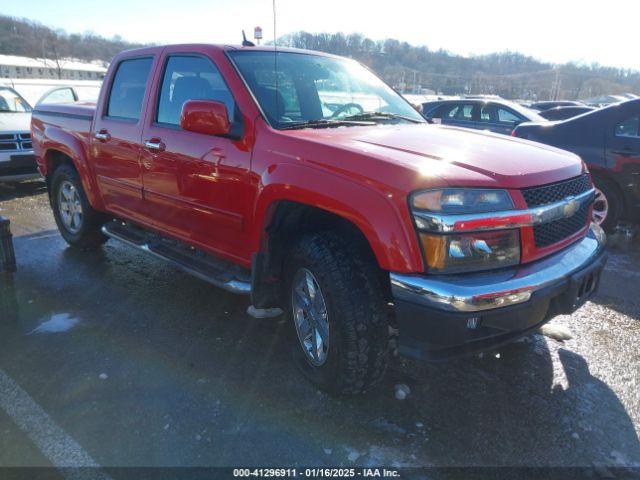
x=303 y=180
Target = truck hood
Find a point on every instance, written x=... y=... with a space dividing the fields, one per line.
x=15 y=122
x=457 y=156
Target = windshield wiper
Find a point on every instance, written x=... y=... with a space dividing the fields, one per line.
x=325 y=123
x=380 y=115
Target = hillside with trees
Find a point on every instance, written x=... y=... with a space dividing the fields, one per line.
x=31 y=39
x=508 y=74
x=408 y=68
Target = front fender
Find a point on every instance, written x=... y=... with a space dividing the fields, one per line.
x=382 y=220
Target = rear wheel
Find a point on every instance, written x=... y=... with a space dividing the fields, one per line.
x=78 y=222
x=607 y=207
x=337 y=314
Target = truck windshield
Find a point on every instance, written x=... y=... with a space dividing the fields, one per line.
x=313 y=91
x=11 y=102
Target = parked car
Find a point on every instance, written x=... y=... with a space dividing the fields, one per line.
x=608 y=140
x=316 y=188
x=563 y=113
x=499 y=116
x=17 y=161
x=542 y=106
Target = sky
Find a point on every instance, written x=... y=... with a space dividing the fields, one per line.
x=556 y=31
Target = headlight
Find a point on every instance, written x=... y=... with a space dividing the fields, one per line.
x=468 y=251
x=462 y=200
x=453 y=253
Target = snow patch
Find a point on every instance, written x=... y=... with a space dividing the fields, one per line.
x=59 y=322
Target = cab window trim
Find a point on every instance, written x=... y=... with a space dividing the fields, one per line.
x=105 y=105
x=160 y=82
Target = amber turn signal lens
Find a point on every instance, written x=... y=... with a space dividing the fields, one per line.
x=435 y=250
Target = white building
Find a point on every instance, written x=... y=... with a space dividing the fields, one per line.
x=40 y=68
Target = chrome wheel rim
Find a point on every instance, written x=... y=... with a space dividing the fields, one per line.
x=600 y=208
x=310 y=316
x=70 y=207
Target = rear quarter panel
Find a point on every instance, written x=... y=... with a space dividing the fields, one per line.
x=65 y=129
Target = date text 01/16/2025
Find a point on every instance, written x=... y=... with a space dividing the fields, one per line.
x=316 y=472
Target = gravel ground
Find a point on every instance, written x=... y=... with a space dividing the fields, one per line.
x=116 y=358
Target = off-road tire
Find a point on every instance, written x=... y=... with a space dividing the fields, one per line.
x=89 y=235
x=358 y=320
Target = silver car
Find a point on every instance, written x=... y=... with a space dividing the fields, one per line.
x=17 y=161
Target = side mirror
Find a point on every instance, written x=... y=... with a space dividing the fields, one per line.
x=205 y=116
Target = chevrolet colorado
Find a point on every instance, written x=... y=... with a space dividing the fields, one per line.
x=303 y=180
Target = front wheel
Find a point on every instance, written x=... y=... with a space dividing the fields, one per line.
x=607 y=206
x=78 y=222
x=337 y=314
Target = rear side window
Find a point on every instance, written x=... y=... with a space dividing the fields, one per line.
x=127 y=90
x=487 y=113
x=190 y=78
x=629 y=128
x=505 y=116
x=460 y=112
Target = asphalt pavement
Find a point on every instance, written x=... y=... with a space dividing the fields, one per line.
x=114 y=359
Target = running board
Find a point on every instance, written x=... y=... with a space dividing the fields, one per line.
x=218 y=272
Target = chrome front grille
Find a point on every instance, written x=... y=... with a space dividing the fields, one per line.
x=15 y=142
x=553 y=232
x=555 y=192
x=547 y=234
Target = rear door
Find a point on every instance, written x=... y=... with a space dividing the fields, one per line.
x=116 y=135
x=498 y=118
x=195 y=184
x=623 y=140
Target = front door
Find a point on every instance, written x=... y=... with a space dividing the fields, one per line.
x=195 y=184
x=116 y=138
x=623 y=142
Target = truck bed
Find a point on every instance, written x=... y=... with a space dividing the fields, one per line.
x=76 y=117
x=60 y=123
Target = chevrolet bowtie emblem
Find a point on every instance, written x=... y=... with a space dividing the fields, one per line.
x=571 y=207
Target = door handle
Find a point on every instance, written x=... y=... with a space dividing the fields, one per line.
x=102 y=135
x=155 y=144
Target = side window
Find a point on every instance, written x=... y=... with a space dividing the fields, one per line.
x=629 y=128
x=461 y=112
x=59 y=95
x=437 y=112
x=190 y=78
x=488 y=113
x=506 y=116
x=127 y=90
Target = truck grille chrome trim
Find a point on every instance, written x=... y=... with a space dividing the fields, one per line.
x=15 y=142
x=554 y=192
x=433 y=222
x=484 y=291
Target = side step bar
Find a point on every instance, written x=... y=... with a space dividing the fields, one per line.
x=218 y=272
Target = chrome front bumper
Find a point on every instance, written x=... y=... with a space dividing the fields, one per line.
x=12 y=163
x=490 y=290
